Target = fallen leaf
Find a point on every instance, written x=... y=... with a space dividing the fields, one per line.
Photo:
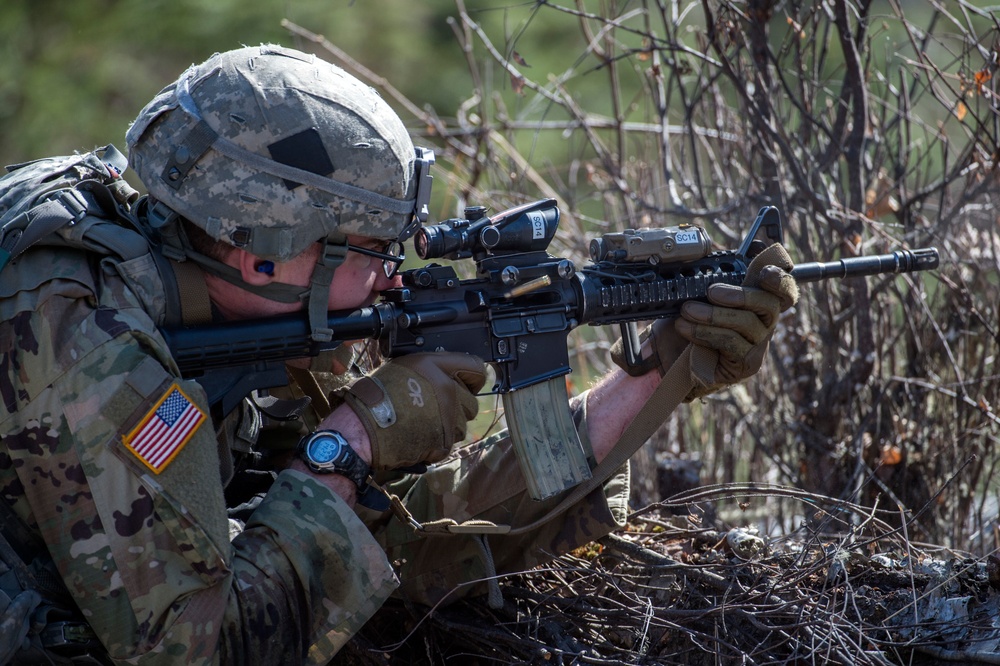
x=891 y=455
x=517 y=83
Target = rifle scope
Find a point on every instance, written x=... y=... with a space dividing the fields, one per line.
x=526 y=228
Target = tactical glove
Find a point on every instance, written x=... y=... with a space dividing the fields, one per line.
x=415 y=408
x=738 y=321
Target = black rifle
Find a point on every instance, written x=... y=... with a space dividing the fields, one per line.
x=515 y=314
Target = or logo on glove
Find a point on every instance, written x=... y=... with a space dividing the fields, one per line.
x=415 y=395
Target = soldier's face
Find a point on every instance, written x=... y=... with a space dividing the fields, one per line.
x=356 y=282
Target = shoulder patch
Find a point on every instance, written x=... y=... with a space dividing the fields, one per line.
x=164 y=431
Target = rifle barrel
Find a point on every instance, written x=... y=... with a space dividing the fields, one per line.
x=900 y=261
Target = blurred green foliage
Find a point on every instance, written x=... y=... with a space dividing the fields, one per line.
x=74 y=74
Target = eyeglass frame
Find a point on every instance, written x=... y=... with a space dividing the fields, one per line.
x=390 y=262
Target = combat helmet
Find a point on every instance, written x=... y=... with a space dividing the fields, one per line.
x=270 y=150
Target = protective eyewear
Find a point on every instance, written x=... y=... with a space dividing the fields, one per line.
x=391 y=255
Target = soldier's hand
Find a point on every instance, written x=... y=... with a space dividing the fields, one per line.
x=415 y=408
x=738 y=323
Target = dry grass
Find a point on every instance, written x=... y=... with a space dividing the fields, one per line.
x=844 y=588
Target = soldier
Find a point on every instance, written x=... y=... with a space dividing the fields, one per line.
x=291 y=186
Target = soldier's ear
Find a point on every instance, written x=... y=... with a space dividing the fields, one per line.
x=253 y=269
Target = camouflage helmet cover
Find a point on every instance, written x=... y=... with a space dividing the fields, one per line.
x=270 y=149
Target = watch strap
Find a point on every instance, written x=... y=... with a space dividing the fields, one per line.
x=373 y=498
x=352 y=466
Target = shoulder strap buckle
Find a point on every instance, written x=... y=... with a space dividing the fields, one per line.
x=75 y=203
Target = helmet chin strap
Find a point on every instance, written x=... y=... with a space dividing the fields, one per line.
x=275 y=291
x=316 y=296
x=332 y=255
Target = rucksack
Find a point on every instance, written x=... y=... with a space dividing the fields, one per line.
x=82 y=201
x=44 y=196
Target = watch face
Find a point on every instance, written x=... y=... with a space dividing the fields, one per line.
x=324 y=450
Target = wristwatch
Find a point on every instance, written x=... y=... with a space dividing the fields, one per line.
x=327 y=452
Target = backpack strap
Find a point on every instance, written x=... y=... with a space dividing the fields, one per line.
x=41 y=214
x=187 y=297
x=67 y=206
x=195 y=305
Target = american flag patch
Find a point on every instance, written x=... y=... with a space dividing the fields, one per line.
x=165 y=430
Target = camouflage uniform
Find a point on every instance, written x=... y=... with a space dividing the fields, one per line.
x=480 y=481
x=483 y=482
